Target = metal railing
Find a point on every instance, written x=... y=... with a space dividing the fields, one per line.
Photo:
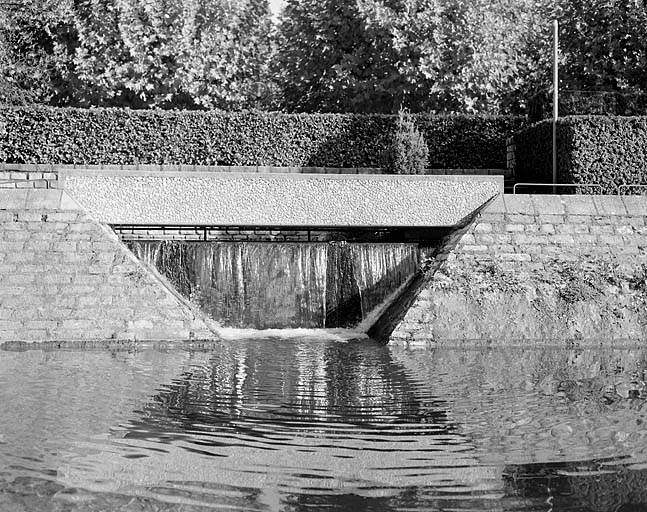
x=557 y=185
x=623 y=187
x=620 y=189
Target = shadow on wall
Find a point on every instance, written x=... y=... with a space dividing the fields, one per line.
x=360 y=143
x=394 y=313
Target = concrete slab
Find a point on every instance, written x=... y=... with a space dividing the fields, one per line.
x=270 y=199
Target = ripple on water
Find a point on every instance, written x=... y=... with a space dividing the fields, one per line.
x=291 y=424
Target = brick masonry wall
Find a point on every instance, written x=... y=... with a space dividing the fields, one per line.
x=527 y=244
x=64 y=277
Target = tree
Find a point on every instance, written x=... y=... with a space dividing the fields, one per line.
x=36 y=41
x=428 y=55
x=171 y=53
x=603 y=44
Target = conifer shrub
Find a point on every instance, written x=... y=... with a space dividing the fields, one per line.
x=408 y=152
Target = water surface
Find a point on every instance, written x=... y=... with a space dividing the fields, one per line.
x=313 y=423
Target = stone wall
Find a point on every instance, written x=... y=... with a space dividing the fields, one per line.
x=540 y=268
x=65 y=277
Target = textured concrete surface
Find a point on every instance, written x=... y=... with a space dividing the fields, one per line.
x=65 y=277
x=119 y=197
x=537 y=268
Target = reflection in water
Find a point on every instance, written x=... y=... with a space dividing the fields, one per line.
x=283 y=285
x=278 y=424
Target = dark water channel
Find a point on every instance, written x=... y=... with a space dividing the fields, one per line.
x=319 y=424
x=283 y=285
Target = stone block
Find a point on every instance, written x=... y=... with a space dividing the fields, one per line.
x=63 y=216
x=551 y=219
x=579 y=205
x=625 y=230
x=32 y=216
x=19 y=257
x=611 y=240
x=562 y=239
x=549 y=204
x=514 y=228
x=37 y=245
x=7 y=246
x=474 y=248
x=515 y=257
x=584 y=239
x=484 y=238
x=601 y=229
x=520 y=240
x=518 y=218
x=635 y=205
x=519 y=204
x=483 y=227
x=64 y=246
x=610 y=205
x=496 y=206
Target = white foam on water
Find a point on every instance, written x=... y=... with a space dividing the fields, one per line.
x=338 y=335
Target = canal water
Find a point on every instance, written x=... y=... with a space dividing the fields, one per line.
x=318 y=423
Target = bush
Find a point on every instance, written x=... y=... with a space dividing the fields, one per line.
x=606 y=150
x=121 y=136
x=408 y=152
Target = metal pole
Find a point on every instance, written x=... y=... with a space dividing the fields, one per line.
x=555 y=99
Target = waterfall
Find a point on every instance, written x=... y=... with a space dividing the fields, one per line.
x=283 y=285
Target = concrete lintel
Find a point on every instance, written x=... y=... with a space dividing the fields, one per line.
x=262 y=199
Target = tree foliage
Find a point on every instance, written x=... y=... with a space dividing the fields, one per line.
x=35 y=43
x=429 y=55
x=171 y=53
x=604 y=44
x=438 y=56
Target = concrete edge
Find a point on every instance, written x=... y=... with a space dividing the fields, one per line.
x=549 y=204
x=65 y=173
x=37 y=199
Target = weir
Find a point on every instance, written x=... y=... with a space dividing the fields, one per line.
x=283 y=285
x=221 y=250
x=268 y=251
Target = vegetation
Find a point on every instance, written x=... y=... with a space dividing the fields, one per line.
x=607 y=150
x=408 y=152
x=361 y=56
x=123 y=136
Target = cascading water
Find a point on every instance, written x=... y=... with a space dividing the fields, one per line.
x=283 y=285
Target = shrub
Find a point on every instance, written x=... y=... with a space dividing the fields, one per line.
x=606 y=150
x=408 y=152
x=121 y=136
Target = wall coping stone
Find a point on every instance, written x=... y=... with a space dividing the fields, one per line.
x=36 y=199
x=8 y=166
x=549 y=204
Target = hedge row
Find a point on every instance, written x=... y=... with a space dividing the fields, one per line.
x=121 y=136
x=610 y=151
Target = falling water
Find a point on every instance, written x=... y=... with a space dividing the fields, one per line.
x=264 y=286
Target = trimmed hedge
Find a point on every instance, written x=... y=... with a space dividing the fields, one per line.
x=121 y=136
x=606 y=150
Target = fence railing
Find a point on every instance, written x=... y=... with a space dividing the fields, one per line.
x=558 y=185
x=620 y=189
